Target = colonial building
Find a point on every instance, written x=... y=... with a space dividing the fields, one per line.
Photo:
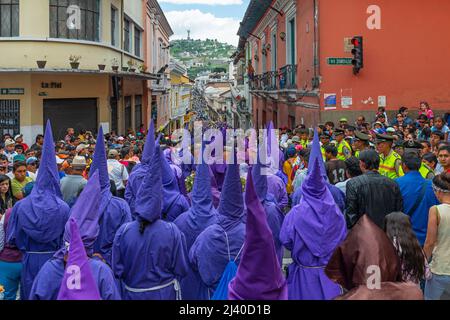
x=80 y=65
x=301 y=53
x=180 y=94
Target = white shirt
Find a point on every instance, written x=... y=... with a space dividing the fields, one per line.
x=118 y=173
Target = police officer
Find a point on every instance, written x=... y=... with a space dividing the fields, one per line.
x=360 y=143
x=415 y=146
x=344 y=149
x=324 y=141
x=390 y=161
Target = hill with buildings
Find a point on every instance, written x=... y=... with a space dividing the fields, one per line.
x=202 y=56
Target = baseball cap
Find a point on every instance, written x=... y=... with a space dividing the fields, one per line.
x=32 y=160
x=9 y=142
x=390 y=129
x=18 y=136
x=343 y=120
x=19 y=158
x=113 y=153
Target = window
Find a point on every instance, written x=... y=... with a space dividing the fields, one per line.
x=9 y=18
x=291 y=42
x=89 y=20
x=114 y=26
x=264 y=56
x=126 y=42
x=137 y=112
x=9 y=117
x=128 y=113
x=137 y=41
x=274 y=51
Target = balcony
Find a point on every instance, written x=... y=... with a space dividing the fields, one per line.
x=285 y=78
x=288 y=77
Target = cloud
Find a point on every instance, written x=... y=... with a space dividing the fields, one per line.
x=203 y=25
x=205 y=2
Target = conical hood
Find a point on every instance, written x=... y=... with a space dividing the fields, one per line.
x=47 y=181
x=201 y=192
x=259 y=275
x=231 y=199
x=149 y=197
x=100 y=163
x=270 y=133
x=316 y=153
x=149 y=145
x=86 y=213
x=319 y=223
x=260 y=180
x=78 y=282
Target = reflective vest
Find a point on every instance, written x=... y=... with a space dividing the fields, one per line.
x=344 y=155
x=387 y=166
x=304 y=144
x=322 y=149
x=425 y=171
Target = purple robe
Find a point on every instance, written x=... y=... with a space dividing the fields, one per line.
x=37 y=222
x=114 y=211
x=209 y=255
x=277 y=188
x=338 y=196
x=149 y=254
x=311 y=231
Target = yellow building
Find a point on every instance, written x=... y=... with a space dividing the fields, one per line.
x=101 y=36
x=180 y=94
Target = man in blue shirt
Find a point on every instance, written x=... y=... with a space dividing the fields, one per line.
x=417 y=192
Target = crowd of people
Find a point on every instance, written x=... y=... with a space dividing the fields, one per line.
x=343 y=199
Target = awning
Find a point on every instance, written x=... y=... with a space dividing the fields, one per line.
x=123 y=74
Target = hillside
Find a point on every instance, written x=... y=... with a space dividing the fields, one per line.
x=200 y=56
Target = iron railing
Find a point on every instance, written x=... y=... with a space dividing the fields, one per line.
x=285 y=78
x=288 y=77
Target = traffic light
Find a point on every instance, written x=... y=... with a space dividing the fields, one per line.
x=358 y=54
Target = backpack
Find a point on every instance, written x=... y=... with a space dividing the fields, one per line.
x=228 y=274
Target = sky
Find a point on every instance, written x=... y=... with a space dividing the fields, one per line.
x=213 y=19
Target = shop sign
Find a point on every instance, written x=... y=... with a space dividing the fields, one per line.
x=51 y=85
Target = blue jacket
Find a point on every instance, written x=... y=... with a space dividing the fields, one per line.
x=410 y=188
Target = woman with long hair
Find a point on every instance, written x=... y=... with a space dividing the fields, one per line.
x=6 y=197
x=413 y=261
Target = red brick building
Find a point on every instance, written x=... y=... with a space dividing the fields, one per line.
x=406 y=58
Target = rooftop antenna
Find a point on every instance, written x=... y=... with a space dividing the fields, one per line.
x=189 y=34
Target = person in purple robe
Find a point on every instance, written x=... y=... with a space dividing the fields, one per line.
x=201 y=215
x=140 y=170
x=149 y=254
x=174 y=202
x=37 y=222
x=277 y=188
x=177 y=171
x=78 y=282
x=219 y=171
x=214 y=189
x=114 y=211
x=274 y=215
x=85 y=213
x=222 y=242
x=311 y=231
x=259 y=275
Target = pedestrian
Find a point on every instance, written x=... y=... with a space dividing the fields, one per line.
x=37 y=222
x=425 y=109
x=39 y=142
x=149 y=254
x=117 y=172
x=414 y=264
x=32 y=165
x=217 y=250
x=4 y=168
x=291 y=155
x=311 y=231
x=444 y=158
x=371 y=193
x=84 y=217
x=390 y=161
x=430 y=161
x=73 y=183
x=439 y=125
x=259 y=275
x=437 y=244
x=9 y=151
x=367 y=251
x=19 y=141
x=417 y=193
x=360 y=142
x=6 y=196
x=343 y=148
x=335 y=168
x=70 y=134
x=10 y=256
x=200 y=216
x=20 y=180
x=114 y=211
x=352 y=170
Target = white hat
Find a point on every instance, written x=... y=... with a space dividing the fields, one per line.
x=9 y=142
x=79 y=161
x=18 y=136
x=81 y=147
x=59 y=160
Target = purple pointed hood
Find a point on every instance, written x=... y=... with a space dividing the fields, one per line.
x=259 y=275
x=78 y=282
x=149 y=198
x=171 y=191
x=270 y=133
x=320 y=223
x=149 y=145
x=231 y=206
x=214 y=189
x=260 y=180
x=99 y=164
x=86 y=213
x=202 y=203
x=44 y=211
x=316 y=153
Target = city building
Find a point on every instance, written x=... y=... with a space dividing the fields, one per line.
x=60 y=62
x=301 y=52
x=180 y=94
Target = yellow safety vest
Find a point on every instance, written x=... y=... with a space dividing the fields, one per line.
x=425 y=170
x=387 y=166
x=341 y=155
x=323 y=153
x=304 y=144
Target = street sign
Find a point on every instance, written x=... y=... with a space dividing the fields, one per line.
x=12 y=91
x=340 y=61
